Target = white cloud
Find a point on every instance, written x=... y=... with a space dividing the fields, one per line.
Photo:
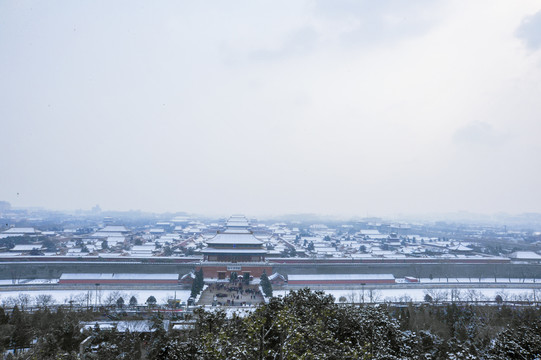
x=265 y=108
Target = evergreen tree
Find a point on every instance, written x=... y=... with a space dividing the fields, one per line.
x=120 y=302
x=266 y=285
x=198 y=283
x=194 y=291
x=20 y=337
x=3 y=317
x=151 y=301
x=246 y=278
x=167 y=251
x=200 y=280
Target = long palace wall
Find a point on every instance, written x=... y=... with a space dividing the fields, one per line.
x=54 y=270
x=418 y=270
x=42 y=270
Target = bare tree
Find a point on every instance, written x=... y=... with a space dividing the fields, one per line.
x=352 y=297
x=456 y=295
x=405 y=298
x=24 y=300
x=473 y=295
x=536 y=295
x=15 y=275
x=9 y=302
x=44 y=300
x=374 y=295
x=112 y=297
x=437 y=295
x=81 y=299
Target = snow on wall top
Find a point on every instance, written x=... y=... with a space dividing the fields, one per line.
x=313 y=277
x=105 y=276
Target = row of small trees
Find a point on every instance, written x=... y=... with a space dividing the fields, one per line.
x=234 y=277
x=133 y=301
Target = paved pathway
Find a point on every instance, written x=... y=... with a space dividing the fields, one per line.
x=235 y=295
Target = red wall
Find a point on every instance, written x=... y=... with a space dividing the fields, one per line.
x=89 y=281
x=338 y=281
x=255 y=271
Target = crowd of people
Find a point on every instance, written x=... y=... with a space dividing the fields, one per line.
x=234 y=294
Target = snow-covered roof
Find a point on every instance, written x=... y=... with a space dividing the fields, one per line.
x=108 y=276
x=235 y=238
x=180 y=219
x=102 y=234
x=185 y=326
x=149 y=247
x=114 y=228
x=115 y=240
x=325 y=249
x=138 y=326
x=27 y=247
x=16 y=230
x=369 y=232
x=233 y=251
x=460 y=247
x=315 y=277
x=276 y=276
x=238 y=221
x=525 y=255
x=361 y=256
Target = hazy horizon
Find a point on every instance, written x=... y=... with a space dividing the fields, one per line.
x=499 y=219
x=345 y=108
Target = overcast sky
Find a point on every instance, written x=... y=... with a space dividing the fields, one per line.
x=272 y=107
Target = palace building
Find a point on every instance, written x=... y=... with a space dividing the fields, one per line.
x=234 y=249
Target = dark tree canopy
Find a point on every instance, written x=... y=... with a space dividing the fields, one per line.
x=151 y=300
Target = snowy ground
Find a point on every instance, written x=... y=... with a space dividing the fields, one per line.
x=416 y=295
x=108 y=297
x=5 y=282
x=240 y=311
x=88 y=297
x=474 y=280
